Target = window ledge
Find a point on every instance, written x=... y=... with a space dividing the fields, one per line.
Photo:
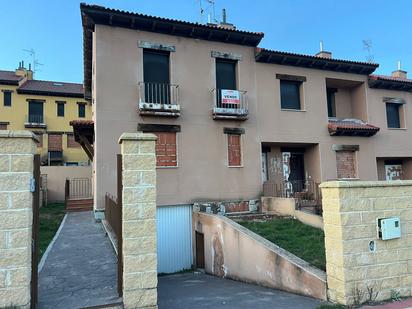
x=397 y=129
x=292 y=110
x=166 y=167
x=235 y=166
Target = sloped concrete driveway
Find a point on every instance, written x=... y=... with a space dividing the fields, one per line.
x=190 y=290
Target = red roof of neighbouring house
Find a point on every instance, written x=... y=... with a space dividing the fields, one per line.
x=351 y=127
x=9 y=78
x=42 y=87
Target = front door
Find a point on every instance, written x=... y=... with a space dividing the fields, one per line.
x=297 y=172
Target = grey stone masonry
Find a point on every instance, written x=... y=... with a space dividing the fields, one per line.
x=16 y=169
x=139 y=220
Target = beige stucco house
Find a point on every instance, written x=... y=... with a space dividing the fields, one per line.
x=231 y=116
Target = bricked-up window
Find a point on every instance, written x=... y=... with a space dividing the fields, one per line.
x=71 y=142
x=234 y=151
x=346 y=164
x=55 y=142
x=166 y=149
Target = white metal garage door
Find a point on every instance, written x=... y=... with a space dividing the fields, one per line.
x=174 y=238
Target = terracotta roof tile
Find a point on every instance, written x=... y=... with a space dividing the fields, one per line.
x=390 y=82
x=351 y=127
x=82 y=123
x=51 y=88
x=390 y=78
x=314 y=62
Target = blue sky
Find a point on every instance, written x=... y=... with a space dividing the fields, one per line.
x=53 y=29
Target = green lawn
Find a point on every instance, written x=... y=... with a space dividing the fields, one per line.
x=300 y=239
x=50 y=218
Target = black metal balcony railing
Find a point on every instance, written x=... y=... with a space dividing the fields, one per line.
x=35 y=119
x=158 y=93
x=232 y=103
x=159 y=99
x=305 y=192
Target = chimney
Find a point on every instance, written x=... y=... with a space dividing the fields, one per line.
x=323 y=53
x=224 y=24
x=399 y=73
x=23 y=72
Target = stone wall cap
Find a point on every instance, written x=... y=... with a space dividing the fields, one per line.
x=18 y=134
x=140 y=136
x=365 y=184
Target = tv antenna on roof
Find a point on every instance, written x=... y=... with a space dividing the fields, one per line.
x=209 y=10
x=35 y=61
x=367 y=45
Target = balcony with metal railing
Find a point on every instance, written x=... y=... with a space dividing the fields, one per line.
x=230 y=104
x=35 y=121
x=159 y=99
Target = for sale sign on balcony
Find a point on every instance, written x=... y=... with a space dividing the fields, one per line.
x=230 y=96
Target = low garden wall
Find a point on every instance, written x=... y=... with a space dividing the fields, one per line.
x=56 y=178
x=286 y=207
x=232 y=251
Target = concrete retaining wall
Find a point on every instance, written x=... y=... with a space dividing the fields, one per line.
x=286 y=207
x=232 y=251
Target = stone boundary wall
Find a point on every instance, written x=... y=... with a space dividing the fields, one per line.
x=16 y=217
x=356 y=258
x=232 y=251
x=287 y=207
x=139 y=220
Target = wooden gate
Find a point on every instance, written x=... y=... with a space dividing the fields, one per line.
x=120 y=227
x=35 y=231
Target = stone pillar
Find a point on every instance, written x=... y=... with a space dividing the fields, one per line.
x=16 y=213
x=359 y=265
x=139 y=220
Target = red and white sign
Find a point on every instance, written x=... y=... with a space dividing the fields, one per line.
x=230 y=96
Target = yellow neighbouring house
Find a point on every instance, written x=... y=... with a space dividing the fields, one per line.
x=45 y=108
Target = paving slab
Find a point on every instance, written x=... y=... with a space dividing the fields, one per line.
x=81 y=268
x=198 y=290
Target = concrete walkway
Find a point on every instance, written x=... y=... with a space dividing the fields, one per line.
x=188 y=291
x=81 y=268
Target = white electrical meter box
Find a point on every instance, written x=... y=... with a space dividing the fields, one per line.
x=389 y=228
